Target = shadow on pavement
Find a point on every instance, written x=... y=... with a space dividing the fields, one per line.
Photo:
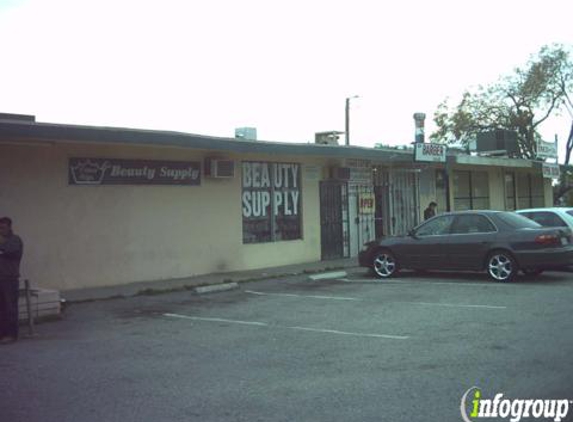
x=548 y=277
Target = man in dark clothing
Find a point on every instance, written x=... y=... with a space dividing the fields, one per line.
x=11 y=249
x=430 y=211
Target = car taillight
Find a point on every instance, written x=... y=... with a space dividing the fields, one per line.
x=548 y=239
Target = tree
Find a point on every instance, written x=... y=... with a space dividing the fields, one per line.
x=519 y=102
x=569 y=145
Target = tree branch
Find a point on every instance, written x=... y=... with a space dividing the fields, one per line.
x=548 y=113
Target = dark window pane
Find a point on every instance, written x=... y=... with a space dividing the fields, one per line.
x=461 y=225
x=480 y=184
x=524 y=202
x=484 y=225
x=547 y=219
x=517 y=221
x=467 y=224
x=523 y=186
x=537 y=201
x=462 y=204
x=462 y=184
x=537 y=184
x=435 y=227
x=471 y=190
x=510 y=191
x=481 y=203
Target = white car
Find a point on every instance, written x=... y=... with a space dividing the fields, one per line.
x=550 y=217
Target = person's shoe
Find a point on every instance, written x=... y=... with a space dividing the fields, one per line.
x=7 y=340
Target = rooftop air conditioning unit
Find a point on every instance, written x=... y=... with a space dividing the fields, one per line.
x=497 y=142
x=219 y=169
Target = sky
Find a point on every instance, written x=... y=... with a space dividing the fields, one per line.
x=284 y=67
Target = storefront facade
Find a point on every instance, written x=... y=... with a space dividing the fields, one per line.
x=101 y=206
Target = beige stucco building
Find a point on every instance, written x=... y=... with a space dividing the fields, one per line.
x=104 y=206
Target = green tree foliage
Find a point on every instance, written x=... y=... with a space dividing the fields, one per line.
x=519 y=102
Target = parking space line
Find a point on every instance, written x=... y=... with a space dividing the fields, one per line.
x=304 y=296
x=447 y=305
x=229 y=321
x=454 y=305
x=298 y=328
x=346 y=333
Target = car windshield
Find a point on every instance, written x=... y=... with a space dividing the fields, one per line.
x=517 y=221
x=569 y=212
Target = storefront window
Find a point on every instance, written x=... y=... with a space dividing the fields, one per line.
x=530 y=191
x=271 y=202
x=441 y=190
x=480 y=190
x=510 y=203
x=462 y=191
x=471 y=190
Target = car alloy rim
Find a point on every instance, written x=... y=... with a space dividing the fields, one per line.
x=384 y=265
x=500 y=267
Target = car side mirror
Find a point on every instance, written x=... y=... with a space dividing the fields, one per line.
x=412 y=233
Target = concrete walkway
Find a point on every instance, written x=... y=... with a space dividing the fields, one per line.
x=156 y=287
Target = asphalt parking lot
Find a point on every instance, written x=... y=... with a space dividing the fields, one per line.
x=294 y=349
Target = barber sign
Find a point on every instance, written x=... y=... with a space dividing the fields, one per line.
x=546 y=150
x=430 y=152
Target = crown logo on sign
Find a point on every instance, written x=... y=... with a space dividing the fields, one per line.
x=88 y=172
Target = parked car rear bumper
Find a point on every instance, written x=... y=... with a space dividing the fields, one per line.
x=547 y=258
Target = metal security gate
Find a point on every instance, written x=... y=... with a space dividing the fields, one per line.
x=361 y=210
x=334 y=219
x=397 y=201
x=382 y=212
x=404 y=201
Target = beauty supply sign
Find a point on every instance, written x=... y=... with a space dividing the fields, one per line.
x=270 y=189
x=435 y=153
x=111 y=171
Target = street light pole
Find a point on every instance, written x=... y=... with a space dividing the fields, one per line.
x=347 y=119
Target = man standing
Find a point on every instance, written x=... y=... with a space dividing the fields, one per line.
x=11 y=249
x=430 y=211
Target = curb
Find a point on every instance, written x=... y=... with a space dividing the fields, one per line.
x=201 y=286
x=328 y=276
x=216 y=288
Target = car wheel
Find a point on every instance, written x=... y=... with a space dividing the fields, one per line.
x=384 y=264
x=532 y=272
x=501 y=266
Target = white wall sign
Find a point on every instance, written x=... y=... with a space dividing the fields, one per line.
x=430 y=152
x=546 y=150
x=551 y=171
